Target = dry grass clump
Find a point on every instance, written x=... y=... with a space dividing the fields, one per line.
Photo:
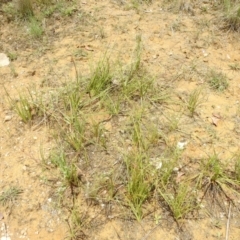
x=232 y=19
x=25 y=8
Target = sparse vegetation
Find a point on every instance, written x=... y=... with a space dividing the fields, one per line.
x=122 y=139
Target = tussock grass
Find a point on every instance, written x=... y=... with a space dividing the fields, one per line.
x=139 y=182
x=68 y=170
x=194 y=101
x=231 y=19
x=217 y=80
x=100 y=78
x=10 y=195
x=35 y=28
x=25 y=8
x=216 y=182
x=28 y=106
x=181 y=202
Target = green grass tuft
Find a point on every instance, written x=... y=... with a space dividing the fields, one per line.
x=10 y=195
x=218 y=81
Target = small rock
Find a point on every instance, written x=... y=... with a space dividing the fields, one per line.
x=115 y=82
x=176 y=169
x=5 y=238
x=181 y=145
x=7 y=118
x=4 y=60
x=205 y=54
x=156 y=162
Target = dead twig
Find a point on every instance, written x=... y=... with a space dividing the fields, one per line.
x=228 y=221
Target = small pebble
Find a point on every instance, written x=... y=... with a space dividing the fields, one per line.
x=7 y=118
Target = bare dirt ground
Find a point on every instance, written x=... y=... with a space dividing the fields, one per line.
x=180 y=45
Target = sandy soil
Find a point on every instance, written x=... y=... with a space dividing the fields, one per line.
x=178 y=48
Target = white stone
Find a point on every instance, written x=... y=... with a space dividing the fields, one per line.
x=181 y=145
x=4 y=60
x=7 y=118
x=5 y=238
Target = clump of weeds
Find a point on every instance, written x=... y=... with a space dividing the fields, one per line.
x=217 y=81
x=216 y=183
x=35 y=28
x=100 y=79
x=28 y=106
x=235 y=66
x=194 y=100
x=139 y=183
x=181 y=201
x=25 y=8
x=10 y=195
x=231 y=19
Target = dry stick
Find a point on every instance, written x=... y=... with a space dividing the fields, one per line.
x=75 y=68
x=150 y=232
x=228 y=221
x=117 y=233
x=5 y=229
